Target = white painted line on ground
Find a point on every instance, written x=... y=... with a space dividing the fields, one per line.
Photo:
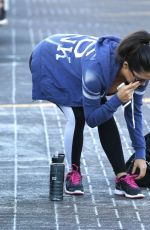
x=142 y=227
x=46 y=134
x=120 y=224
x=104 y=171
x=13 y=35
x=62 y=142
x=49 y=159
x=43 y=104
x=114 y=202
x=117 y=214
x=134 y=204
x=123 y=137
x=91 y=191
x=98 y=223
x=76 y=212
x=110 y=191
x=46 y=105
x=138 y=216
x=56 y=216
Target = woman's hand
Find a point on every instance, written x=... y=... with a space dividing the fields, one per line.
x=141 y=165
x=125 y=92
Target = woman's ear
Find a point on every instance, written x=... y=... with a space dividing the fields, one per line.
x=125 y=65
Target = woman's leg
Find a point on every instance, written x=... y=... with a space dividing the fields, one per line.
x=78 y=135
x=111 y=143
x=73 y=141
x=73 y=135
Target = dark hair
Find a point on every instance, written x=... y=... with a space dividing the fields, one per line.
x=135 y=49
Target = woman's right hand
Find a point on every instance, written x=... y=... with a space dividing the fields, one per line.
x=125 y=92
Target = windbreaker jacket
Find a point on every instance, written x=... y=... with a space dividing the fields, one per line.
x=78 y=70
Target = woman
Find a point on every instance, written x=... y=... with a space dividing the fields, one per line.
x=77 y=72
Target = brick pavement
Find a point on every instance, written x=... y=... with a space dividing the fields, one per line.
x=31 y=133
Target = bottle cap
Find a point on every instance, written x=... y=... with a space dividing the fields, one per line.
x=54 y=159
x=61 y=157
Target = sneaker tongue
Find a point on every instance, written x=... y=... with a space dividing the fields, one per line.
x=76 y=168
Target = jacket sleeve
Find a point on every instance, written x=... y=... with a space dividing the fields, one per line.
x=92 y=88
x=136 y=133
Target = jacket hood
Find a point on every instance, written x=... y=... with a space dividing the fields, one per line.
x=106 y=56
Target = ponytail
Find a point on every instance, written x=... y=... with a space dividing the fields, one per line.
x=135 y=49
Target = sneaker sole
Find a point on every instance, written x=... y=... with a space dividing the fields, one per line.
x=3 y=22
x=122 y=193
x=76 y=192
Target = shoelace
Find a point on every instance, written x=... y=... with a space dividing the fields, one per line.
x=75 y=176
x=130 y=180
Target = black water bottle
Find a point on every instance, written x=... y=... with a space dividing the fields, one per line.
x=57 y=169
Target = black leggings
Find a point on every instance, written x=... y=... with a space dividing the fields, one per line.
x=109 y=138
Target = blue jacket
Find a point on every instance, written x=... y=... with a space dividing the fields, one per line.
x=78 y=70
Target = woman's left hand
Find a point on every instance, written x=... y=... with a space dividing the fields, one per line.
x=141 y=165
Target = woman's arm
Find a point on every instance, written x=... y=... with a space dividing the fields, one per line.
x=136 y=133
x=93 y=90
x=135 y=115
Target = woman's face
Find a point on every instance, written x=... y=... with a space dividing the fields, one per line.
x=132 y=76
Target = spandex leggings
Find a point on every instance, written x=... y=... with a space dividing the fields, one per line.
x=108 y=134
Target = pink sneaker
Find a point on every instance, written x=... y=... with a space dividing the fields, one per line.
x=127 y=186
x=73 y=182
